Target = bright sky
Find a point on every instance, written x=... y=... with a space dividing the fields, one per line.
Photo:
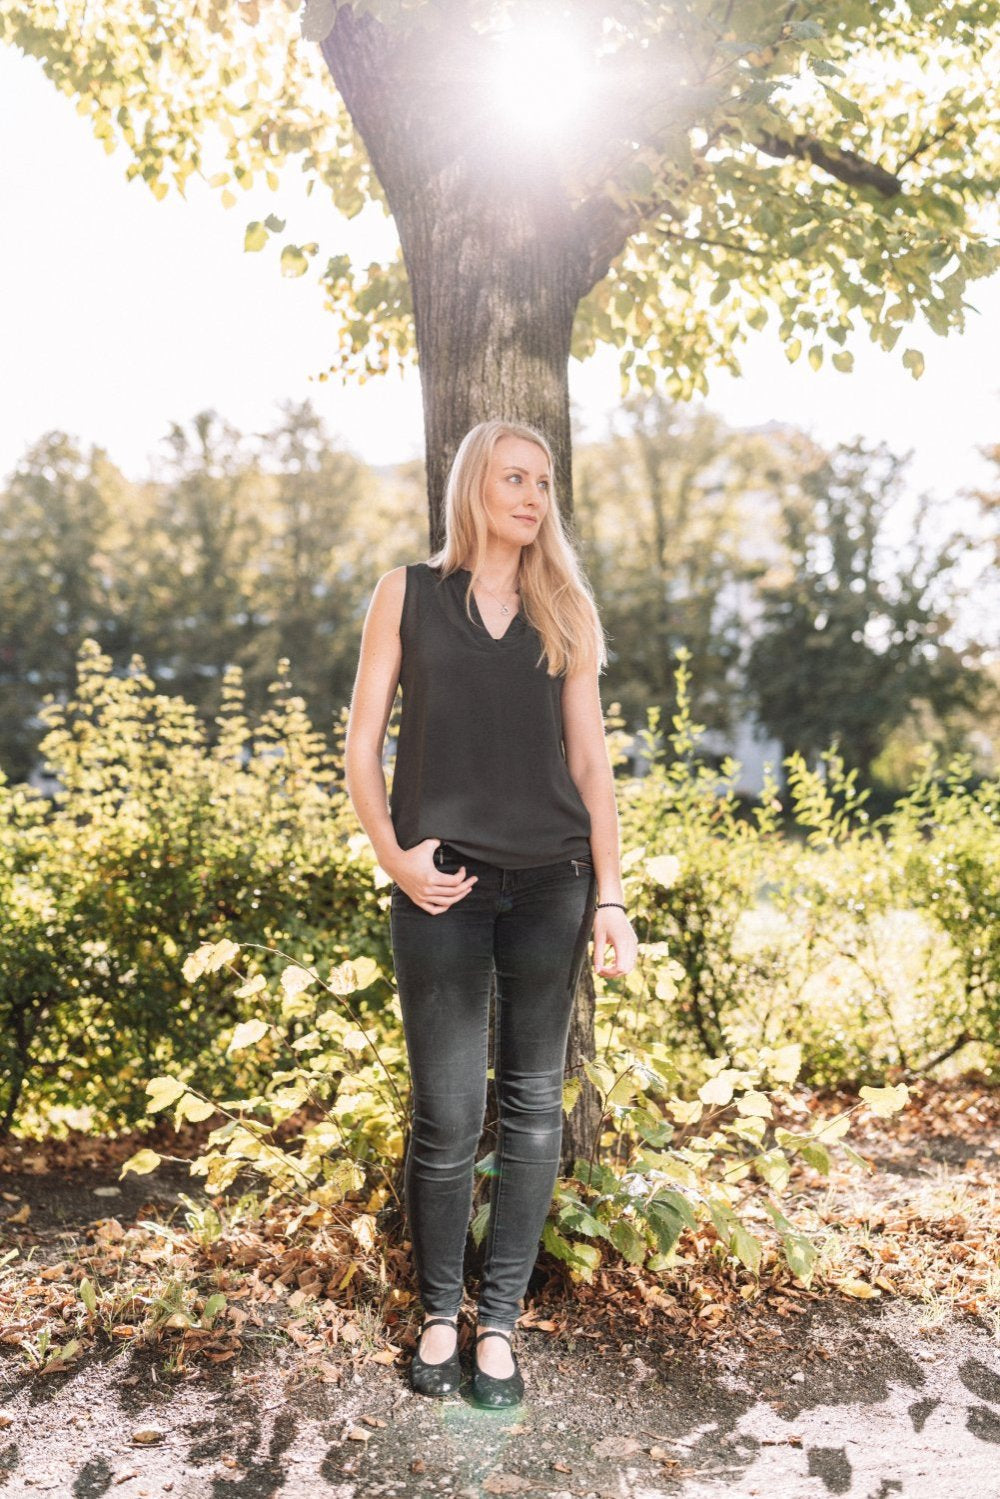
x=121 y=314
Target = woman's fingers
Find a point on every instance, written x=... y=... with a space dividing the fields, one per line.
x=446 y=890
x=614 y=932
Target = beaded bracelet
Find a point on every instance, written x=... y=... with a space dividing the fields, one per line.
x=609 y=903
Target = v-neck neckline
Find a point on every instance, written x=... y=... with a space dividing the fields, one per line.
x=494 y=639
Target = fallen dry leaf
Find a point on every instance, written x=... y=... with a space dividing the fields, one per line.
x=616 y=1447
x=146 y=1436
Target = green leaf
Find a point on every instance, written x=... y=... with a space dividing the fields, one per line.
x=668 y=1214
x=816 y=1155
x=88 y=1295
x=582 y=1259
x=847 y=107
x=480 y=1223
x=844 y=361
x=793 y=350
x=630 y=1244
x=800 y=1255
x=213 y=1306
x=572 y=1087
x=746 y=1247
x=575 y=1218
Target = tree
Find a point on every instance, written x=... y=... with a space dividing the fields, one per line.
x=665 y=177
x=669 y=510
x=858 y=632
x=56 y=585
x=238 y=553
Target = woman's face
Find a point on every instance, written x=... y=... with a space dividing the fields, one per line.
x=516 y=490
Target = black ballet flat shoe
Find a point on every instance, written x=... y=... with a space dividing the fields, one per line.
x=436 y=1379
x=489 y=1391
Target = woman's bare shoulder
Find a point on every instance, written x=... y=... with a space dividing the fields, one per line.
x=388 y=596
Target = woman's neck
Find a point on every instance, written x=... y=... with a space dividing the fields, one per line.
x=501 y=573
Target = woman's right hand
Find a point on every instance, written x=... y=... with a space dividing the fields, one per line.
x=415 y=872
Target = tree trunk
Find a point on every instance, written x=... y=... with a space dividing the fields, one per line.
x=497 y=263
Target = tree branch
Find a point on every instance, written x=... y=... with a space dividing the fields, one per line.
x=846 y=166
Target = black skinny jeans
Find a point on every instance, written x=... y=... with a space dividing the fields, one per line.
x=533 y=926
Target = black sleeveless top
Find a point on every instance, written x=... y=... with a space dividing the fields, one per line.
x=480 y=761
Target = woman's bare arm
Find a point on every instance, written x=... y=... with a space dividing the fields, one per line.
x=371 y=705
x=590 y=767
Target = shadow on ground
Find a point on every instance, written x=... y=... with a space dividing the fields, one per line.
x=850 y=1400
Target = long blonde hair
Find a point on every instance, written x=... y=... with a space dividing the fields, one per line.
x=555 y=595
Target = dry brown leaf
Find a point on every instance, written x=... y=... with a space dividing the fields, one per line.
x=148 y=1435
x=614 y=1446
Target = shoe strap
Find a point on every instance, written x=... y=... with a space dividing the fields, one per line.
x=445 y=1321
x=492 y=1332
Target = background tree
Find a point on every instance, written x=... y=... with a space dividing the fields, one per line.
x=675 y=512
x=56 y=584
x=242 y=551
x=860 y=631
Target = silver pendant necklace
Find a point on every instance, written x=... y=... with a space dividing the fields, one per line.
x=503 y=607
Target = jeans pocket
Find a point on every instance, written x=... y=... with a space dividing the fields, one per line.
x=582 y=866
x=447 y=859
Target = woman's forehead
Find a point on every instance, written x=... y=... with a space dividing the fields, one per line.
x=520 y=451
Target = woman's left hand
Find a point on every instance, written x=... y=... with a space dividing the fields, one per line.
x=612 y=928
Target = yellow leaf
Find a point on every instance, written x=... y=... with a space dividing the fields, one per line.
x=754 y=1103
x=142 y=1162
x=194 y=1108
x=247 y=1033
x=885 y=1101
x=251 y=987
x=858 y=1288
x=664 y=869
x=223 y=952
x=296 y=979
x=163 y=1091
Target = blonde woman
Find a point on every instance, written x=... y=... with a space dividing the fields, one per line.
x=501 y=838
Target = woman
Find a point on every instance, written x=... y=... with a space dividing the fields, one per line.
x=503 y=851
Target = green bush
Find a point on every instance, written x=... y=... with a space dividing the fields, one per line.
x=157 y=840
x=870 y=945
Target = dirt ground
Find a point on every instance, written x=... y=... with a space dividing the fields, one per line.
x=854 y=1401
x=861 y=1398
